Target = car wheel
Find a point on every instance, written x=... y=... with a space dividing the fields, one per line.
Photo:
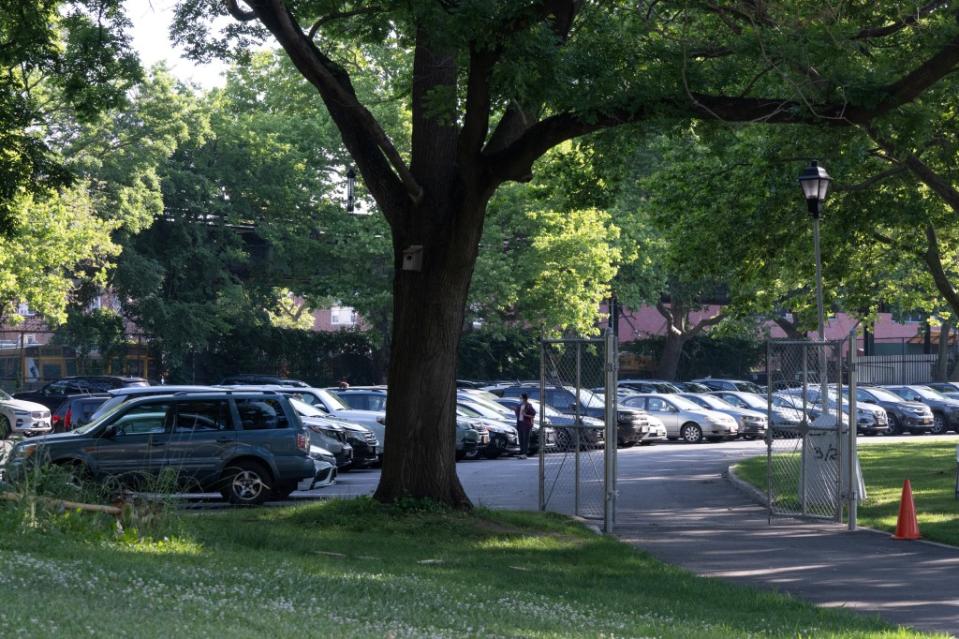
x=691 y=433
x=5 y=429
x=564 y=441
x=246 y=483
x=625 y=444
x=895 y=426
x=938 y=424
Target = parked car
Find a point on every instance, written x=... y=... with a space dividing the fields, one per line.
x=503 y=438
x=649 y=385
x=468 y=440
x=325 y=433
x=684 y=419
x=22 y=417
x=904 y=416
x=785 y=417
x=261 y=380
x=693 y=387
x=752 y=423
x=324 y=464
x=945 y=411
x=330 y=402
x=76 y=411
x=118 y=396
x=949 y=389
x=53 y=394
x=730 y=384
x=632 y=425
x=871 y=419
x=366 y=447
x=247 y=446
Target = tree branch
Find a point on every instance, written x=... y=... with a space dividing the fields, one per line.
x=933 y=259
x=705 y=323
x=906 y=21
x=476 y=120
x=362 y=134
x=340 y=15
x=871 y=181
x=242 y=15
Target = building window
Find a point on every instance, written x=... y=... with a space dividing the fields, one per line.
x=342 y=316
x=24 y=309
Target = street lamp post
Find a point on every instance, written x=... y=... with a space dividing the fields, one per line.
x=350 y=190
x=815 y=186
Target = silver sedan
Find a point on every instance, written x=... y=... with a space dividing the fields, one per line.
x=684 y=419
x=752 y=423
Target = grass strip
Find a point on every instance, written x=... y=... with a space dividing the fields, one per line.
x=930 y=466
x=359 y=569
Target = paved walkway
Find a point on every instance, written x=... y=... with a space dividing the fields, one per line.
x=681 y=509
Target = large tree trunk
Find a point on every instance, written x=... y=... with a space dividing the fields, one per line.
x=428 y=311
x=672 y=352
x=942 y=362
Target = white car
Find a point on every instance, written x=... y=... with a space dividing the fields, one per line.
x=20 y=417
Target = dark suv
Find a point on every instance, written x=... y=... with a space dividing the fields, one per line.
x=247 y=446
x=54 y=393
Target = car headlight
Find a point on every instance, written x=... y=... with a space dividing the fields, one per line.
x=24 y=452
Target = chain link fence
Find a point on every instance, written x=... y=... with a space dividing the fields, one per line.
x=577 y=474
x=808 y=417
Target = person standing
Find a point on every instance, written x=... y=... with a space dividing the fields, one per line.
x=524 y=423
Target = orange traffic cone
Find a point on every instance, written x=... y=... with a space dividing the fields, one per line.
x=907 y=527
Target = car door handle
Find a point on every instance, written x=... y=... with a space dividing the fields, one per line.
x=224 y=440
x=153 y=443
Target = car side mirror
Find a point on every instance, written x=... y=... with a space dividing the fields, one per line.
x=112 y=431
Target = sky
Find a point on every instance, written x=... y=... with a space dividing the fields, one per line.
x=151 y=38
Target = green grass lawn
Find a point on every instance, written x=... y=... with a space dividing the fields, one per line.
x=358 y=569
x=929 y=466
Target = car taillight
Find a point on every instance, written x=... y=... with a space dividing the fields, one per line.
x=67 y=419
x=303 y=442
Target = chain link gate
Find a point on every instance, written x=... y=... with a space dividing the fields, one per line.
x=577 y=475
x=811 y=441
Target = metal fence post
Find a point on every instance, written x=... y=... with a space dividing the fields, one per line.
x=804 y=432
x=838 y=438
x=612 y=361
x=578 y=424
x=542 y=424
x=852 y=476
x=769 y=434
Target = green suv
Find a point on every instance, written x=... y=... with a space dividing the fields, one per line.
x=248 y=446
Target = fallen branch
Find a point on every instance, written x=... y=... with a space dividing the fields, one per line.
x=66 y=505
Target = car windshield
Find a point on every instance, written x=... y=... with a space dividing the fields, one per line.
x=4 y=396
x=709 y=401
x=753 y=401
x=927 y=393
x=747 y=387
x=682 y=403
x=100 y=417
x=468 y=411
x=882 y=395
x=589 y=399
x=304 y=409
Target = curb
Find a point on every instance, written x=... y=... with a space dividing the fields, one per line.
x=745 y=487
x=760 y=498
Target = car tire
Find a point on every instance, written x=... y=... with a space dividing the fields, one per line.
x=5 y=430
x=564 y=441
x=691 y=433
x=246 y=483
x=625 y=444
x=939 y=426
x=460 y=455
x=895 y=426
